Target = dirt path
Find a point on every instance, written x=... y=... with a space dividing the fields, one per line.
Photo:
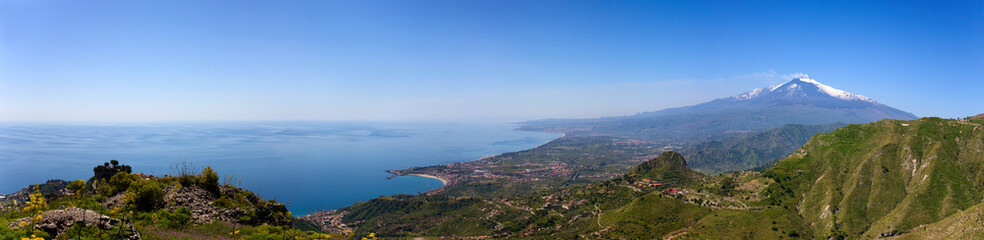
x=675 y=234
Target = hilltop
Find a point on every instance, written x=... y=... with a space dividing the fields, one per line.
x=669 y=167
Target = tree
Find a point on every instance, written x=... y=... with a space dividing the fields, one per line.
x=728 y=185
x=114 y=162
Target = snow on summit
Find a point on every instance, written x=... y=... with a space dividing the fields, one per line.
x=802 y=86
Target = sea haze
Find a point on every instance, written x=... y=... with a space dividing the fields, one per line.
x=308 y=165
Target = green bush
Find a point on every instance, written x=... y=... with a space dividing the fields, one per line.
x=188 y=180
x=178 y=219
x=209 y=180
x=118 y=183
x=148 y=195
x=223 y=202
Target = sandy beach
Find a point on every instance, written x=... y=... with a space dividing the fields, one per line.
x=443 y=182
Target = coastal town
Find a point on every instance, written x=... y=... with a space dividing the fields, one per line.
x=569 y=160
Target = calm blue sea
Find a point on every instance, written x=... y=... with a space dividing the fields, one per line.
x=308 y=165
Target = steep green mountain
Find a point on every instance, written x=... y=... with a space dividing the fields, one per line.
x=799 y=101
x=882 y=178
x=751 y=150
x=668 y=167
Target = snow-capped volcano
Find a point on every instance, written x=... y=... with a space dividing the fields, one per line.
x=803 y=87
x=799 y=101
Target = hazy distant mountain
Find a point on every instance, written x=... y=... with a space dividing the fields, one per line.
x=800 y=101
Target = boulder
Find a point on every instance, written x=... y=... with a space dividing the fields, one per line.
x=56 y=222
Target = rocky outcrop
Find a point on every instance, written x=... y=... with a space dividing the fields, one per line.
x=203 y=209
x=56 y=222
x=195 y=199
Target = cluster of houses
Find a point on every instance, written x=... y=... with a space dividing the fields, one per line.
x=146 y=176
x=645 y=182
x=673 y=191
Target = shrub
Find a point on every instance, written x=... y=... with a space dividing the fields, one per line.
x=148 y=195
x=209 y=180
x=178 y=219
x=118 y=183
x=188 y=180
x=223 y=202
x=76 y=186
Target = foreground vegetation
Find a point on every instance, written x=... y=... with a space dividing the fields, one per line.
x=116 y=204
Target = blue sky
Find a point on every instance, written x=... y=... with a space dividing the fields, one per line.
x=470 y=60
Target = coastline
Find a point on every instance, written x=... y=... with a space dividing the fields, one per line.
x=444 y=182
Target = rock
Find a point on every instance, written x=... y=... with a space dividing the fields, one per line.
x=195 y=199
x=56 y=222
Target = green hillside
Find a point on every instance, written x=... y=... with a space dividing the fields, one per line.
x=752 y=150
x=962 y=225
x=862 y=181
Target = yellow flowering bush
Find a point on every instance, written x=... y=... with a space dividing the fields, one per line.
x=33 y=237
x=37 y=202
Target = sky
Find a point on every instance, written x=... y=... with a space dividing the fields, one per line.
x=69 y=61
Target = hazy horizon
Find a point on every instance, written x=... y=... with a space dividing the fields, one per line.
x=506 y=61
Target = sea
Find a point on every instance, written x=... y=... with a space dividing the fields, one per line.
x=307 y=165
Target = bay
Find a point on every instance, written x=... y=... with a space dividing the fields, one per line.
x=307 y=165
